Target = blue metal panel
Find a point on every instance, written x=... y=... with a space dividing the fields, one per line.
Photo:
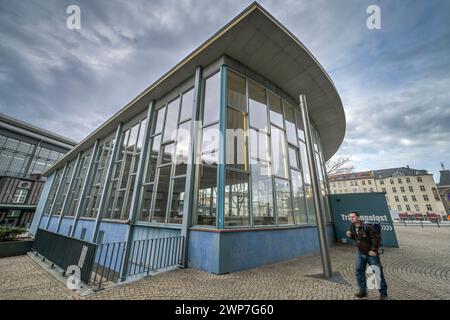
x=113 y=232
x=203 y=251
x=235 y=251
x=83 y=223
x=148 y=232
x=65 y=226
x=53 y=223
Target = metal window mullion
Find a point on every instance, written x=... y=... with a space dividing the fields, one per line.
x=69 y=189
x=58 y=190
x=106 y=181
x=220 y=215
x=87 y=178
x=189 y=206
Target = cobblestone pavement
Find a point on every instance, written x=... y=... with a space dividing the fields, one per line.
x=419 y=269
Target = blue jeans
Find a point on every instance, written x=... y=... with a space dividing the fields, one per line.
x=361 y=262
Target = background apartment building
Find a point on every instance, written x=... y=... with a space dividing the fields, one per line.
x=407 y=190
x=25 y=153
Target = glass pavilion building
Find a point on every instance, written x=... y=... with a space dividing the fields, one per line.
x=166 y=164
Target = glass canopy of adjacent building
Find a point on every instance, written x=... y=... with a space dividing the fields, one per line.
x=264 y=181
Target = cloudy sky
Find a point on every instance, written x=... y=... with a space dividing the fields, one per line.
x=394 y=82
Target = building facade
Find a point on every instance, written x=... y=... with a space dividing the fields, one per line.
x=166 y=164
x=407 y=190
x=25 y=153
x=444 y=188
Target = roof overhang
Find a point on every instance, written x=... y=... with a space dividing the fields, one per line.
x=256 y=39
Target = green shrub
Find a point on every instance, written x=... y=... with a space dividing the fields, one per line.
x=10 y=233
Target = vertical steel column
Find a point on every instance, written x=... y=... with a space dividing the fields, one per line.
x=84 y=188
x=326 y=263
x=106 y=181
x=134 y=206
x=188 y=205
x=58 y=190
x=64 y=204
x=222 y=149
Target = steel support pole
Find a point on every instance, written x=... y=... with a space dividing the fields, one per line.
x=325 y=255
x=222 y=150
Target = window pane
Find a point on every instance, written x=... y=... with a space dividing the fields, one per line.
x=299 y=197
x=257 y=106
x=168 y=152
x=262 y=194
x=276 y=113
x=187 y=104
x=207 y=196
x=140 y=140
x=299 y=122
x=290 y=124
x=236 y=91
x=279 y=157
x=293 y=157
x=171 y=120
x=212 y=99
x=305 y=167
x=144 y=212
x=176 y=210
x=259 y=144
x=284 y=201
x=162 y=194
x=182 y=153
x=152 y=162
x=236 y=145
x=159 y=120
x=236 y=199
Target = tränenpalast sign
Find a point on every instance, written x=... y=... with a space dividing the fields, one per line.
x=373 y=209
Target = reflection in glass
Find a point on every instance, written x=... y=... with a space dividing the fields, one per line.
x=182 y=152
x=262 y=194
x=206 y=196
x=162 y=195
x=171 y=120
x=293 y=157
x=236 y=199
x=279 y=156
x=151 y=164
x=284 y=201
x=236 y=144
x=257 y=106
x=259 y=145
x=276 y=112
x=144 y=212
x=176 y=209
x=187 y=104
x=236 y=91
x=299 y=197
x=159 y=120
x=290 y=124
x=211 y=104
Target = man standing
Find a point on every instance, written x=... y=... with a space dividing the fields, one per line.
x=368 y=242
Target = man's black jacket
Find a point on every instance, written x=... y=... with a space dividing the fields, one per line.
x=367 y=239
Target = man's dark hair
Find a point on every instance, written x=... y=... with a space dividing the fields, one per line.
x=355 y=212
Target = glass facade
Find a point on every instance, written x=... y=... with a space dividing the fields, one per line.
x=266 y=178
x=21 y=158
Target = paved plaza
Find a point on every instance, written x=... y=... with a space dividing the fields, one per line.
x=419 y=269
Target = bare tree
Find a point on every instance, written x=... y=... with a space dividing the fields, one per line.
x=339 y=165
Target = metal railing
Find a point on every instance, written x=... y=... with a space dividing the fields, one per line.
x=117 y=261
x=65 y=251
